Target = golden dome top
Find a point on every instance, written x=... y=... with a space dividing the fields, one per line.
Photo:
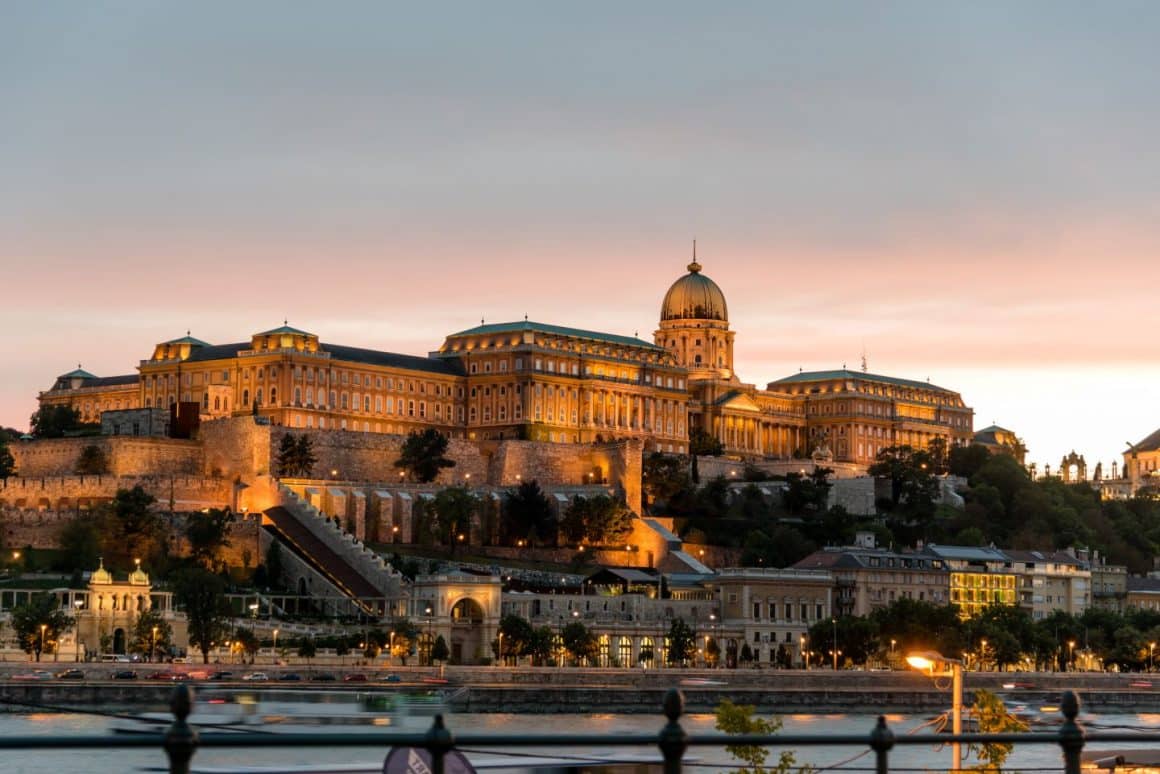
x=694 y=297
x=101 y=575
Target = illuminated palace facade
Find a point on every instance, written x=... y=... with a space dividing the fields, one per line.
x=533 y=381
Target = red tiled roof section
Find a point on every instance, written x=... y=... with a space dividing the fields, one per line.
x=327 y=561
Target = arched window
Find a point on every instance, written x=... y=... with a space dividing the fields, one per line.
x=273 y=396
x=345 y=400
x=367 y=403
x=297 y=396
x=258 y=396
x=246 y=397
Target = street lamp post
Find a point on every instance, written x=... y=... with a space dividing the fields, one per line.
x=42 y=628
x=1151 y=648
x=275 y=646
x=78 y=604
x=834 y=621
x=499 y=654
x=430 y=638
x=936 y=665
x=1071 y=655
x=983 y=655
x=153 y=646
x=892 y=643
x=805 y=653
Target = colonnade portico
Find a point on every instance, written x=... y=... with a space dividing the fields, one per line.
x=758 y=436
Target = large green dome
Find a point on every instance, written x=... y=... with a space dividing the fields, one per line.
x=694 y=297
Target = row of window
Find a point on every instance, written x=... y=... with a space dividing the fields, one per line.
x=787 y=610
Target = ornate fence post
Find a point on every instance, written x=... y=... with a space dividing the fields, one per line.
x=1071 y=733
x=181 y=739
x=673 y=741
x=439 y=743
x=881 y=740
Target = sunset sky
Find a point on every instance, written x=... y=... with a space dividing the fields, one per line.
x=969 y=192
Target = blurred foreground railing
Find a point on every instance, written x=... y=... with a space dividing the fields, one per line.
x=181 y=741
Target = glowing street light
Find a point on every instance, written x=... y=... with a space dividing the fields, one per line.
x=1071 y=655
x=1151 y=648
x=153 y=646
x=42 y=628
x=275 y=646
x=936 y=665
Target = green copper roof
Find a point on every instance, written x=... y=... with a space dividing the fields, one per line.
x=821 y=376
x=77 y=373
x=187 y=339
x=285 y=329
x=527 y=325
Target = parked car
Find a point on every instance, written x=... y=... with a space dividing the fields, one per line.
x=222 y=675
x=169 y=674
x=70 y=674
x=290 y=677
x=354 y=677
x=125 y=674
x=323 y=677
x=392 y=679
x=256 y=677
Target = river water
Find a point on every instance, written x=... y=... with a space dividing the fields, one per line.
x=1028 y=758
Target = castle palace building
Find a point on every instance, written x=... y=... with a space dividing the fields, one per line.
x=531 y=381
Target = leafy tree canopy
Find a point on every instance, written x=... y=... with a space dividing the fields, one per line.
x=55 y=421
x=39 y=624
x=422 y=455
x=202 y=595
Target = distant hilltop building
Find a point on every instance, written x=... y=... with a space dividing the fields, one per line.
x=1142 y=463
x=1001 y=440
x=527 y=380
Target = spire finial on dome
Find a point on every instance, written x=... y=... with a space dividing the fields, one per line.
x=694 y=267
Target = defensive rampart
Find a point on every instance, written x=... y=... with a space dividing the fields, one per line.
x=124 y=455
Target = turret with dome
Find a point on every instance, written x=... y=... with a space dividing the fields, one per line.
x=694 y=325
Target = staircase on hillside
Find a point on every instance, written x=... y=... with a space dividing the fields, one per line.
x=288 y=528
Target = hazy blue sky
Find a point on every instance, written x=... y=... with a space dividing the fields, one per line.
x=969 y=191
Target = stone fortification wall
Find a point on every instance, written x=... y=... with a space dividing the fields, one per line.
x=352 y=456
x=714 y=467
x=80 y=493
x=236 y=447
x=551 y=464
x=856 y=495
x=126 y=456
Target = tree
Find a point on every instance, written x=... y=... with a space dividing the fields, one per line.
x=528 y=513
x=746 y=654
x=739 y=719
x=663 y=476
x=39 y=624
x=806 y=494
x=439 y=651
x=80 y=543
x=993 y=718
x=702 y=444
x=541 y=646
x=682 y=642
x=914 y=488
x=7 y=461
x=208 y=534
x=580 y=643
x=453 y=508
x=295 y=456
x=202 y=594
x=307 y=649
x=965 y=461
x=712 y=652
x=597 y=520
x=246 y=642
x=143 y=640
x=406 y=636
x=422 y=455
x=134 y=531
x=92 y=461
x=516 y=641
x=54 y=421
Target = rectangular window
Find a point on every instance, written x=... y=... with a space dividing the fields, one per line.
x=756 y=611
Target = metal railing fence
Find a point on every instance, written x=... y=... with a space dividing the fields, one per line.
x=181 y=741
